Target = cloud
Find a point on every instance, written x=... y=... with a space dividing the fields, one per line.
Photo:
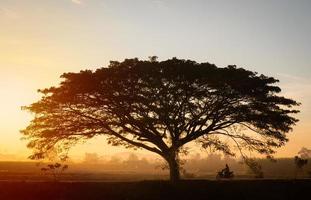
x=79 y=2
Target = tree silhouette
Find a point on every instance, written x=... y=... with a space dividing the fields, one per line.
x=254 y=167
x=55 y=170
x=304 y=153
x=299 y=163
x=160 y=107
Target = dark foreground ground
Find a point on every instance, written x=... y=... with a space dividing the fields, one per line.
x=152 y=190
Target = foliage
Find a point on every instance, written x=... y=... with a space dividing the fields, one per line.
x=300 y=162
x=254 y=167
x=187 y=174
x=160 y=107
x=55 y=170
x=304 y=153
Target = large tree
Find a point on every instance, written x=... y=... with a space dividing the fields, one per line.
x=162 y=106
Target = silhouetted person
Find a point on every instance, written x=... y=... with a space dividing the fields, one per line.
x=225 y=173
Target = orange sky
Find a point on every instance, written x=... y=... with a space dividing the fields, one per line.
x=39 y=40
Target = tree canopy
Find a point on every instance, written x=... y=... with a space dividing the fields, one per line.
x=160 y=107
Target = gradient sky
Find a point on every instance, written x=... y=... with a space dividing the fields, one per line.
x=41 y=39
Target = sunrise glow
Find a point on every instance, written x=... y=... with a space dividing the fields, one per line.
x=40 y=40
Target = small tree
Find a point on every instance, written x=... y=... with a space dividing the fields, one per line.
x=299 y=163
x=160 y=107
x=304 y=153
x=187 y=174
x=55 y=170
x=254 y=167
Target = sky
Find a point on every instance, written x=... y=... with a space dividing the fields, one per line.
x=41 y=39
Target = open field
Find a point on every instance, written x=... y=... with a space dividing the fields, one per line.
x=131 y=170
x=152 y=190
x=25 y=181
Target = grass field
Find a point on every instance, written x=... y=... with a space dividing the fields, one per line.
x=154 y=190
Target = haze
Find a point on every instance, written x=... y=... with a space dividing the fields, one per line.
x=40 y=40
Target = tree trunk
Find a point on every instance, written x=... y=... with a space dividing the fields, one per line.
x=174 y=168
